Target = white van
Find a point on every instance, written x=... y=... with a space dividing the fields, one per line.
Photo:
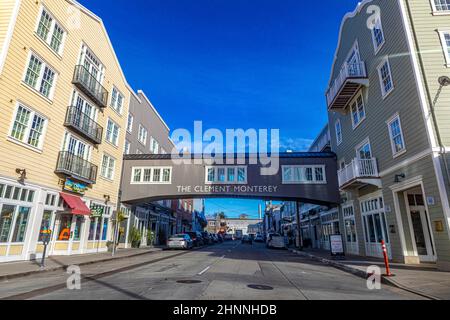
x=274 y=240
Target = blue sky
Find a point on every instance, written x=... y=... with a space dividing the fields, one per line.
x=232 y=64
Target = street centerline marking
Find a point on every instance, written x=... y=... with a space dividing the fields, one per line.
x=204 y=271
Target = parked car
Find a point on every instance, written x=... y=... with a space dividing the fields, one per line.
x=220 y=238
x=259 y=238
x=206 y=237
x=197 y=238
x=276 y=241
x=215 y=238
x=180 y=241
x=247 y=239
x=228 y=237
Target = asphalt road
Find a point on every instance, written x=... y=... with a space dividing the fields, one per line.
x=230 y=271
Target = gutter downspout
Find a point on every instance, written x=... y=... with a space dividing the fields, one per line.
x=430 y=100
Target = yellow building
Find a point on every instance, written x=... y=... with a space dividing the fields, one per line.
x=63 y=114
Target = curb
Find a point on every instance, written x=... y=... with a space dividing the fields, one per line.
x=361 y=273
x=62 y=267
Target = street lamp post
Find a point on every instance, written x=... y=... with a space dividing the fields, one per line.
x=299 y=232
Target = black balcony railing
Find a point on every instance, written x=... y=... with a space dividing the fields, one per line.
x=84 y=124
x=87 y=83
x=76 y=167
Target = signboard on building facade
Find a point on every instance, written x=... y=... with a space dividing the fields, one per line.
x=75 y=187
x=337 y=246
x=97 y=211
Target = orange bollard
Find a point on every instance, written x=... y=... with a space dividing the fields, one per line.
x=386 y=259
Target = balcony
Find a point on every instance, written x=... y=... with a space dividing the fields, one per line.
x=87 y=83
x=76 y=167
x=84 y=125
x=358 y=173
x=350 y=79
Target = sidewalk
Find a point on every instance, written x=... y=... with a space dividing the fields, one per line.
x=23 y=268
x=423 y=279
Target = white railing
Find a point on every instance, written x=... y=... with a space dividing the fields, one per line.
x=358 y=168
x=353 y=70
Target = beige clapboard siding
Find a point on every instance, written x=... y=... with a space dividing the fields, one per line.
x=6 y=10
x=426 y=25
x=404 y=99
x=41 y=166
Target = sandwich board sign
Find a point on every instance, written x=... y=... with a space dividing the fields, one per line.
x=337 y=246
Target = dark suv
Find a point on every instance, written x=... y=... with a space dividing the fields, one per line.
x=206 y=237
x=197 y=238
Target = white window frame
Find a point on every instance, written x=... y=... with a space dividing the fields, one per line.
x=395 y=153
x=160 y=182
x=445 y=47
x=154 y=144
x=114 y=106
x=28 y=128
x=438 y=12
x=339 y=137
x=366 y=141
x=226 y=180
x=37 y=87
x=116 y=143
x=313 y=167
x=385 y=93
x=51 y=31
x=108 y=168
x=130 y=123
x=66 y=140
x=353 y=102
x=377 y=47
x=144 y=142
x=127 y=147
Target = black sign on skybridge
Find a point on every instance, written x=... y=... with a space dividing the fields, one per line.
x=306 y=177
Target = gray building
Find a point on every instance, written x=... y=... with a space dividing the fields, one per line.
x=390 y=128
x=147 y=133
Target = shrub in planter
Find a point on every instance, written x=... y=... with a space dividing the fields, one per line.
x=135 y=237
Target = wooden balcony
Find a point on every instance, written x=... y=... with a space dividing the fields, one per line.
x=350 y=79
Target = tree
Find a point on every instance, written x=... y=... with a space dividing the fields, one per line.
x=221 y=215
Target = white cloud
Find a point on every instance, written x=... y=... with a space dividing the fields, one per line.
x=295 y=144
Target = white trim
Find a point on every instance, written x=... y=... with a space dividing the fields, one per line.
x=313 y=167
x=376 y=47
x=384 y=93
x=51 y=30
x=226 y=182
x=355 y=101
x=437 y=12
x=338 y=141
x=389 y=122
x=142 y=182
x=445 y=48
x=366 y=141
x=9 y=34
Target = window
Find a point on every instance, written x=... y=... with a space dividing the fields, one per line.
x=40 y=76
x=303 y=175
x=226 y=175
x=127 y=147
x=130 y=123
x=364 y=151
x=396 y=135
x=151 y=175
x=441 y=5
x=445 y=40
x=358 y=111
x=386 y=82
x=51 y=31
x=377 y=35
x=112 y=133
x=154 y=146
x=28 y=127
x=108 y=165
x=338 y=128
x=142 y=137
x=45 y=224
x=117 y=100
x=50 y=199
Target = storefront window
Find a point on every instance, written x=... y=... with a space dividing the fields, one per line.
x=20 y=228
x=98 y=229
x=350 y=230
x=77 y=231
x=92 y=228
x=64 y=227
x=6 y=217
x=105 y=228
x=45 y=224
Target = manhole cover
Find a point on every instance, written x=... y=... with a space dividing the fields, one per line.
x=188 y=281
x=259 y=287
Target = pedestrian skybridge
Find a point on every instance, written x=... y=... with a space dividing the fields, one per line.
x=304 y=177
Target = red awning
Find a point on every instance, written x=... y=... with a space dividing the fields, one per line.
x=77 y=205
